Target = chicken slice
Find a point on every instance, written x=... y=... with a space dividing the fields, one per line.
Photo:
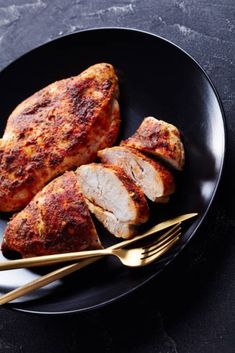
x=113 y=198
x=57 y=220
x=155 y=180
x=58 y=128
x=158 y=138
x=119 y=229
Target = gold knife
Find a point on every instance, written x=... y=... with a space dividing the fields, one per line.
x=64 y=271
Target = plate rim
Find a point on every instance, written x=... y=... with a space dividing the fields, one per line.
x=200 y=218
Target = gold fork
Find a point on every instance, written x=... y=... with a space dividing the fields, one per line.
x=71 y=268
x=130 y=257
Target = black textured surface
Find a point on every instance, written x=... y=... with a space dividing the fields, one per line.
x=190 y=307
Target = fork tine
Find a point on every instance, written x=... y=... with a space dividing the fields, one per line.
x=150 y=258
x=159 y=248
x=162 y=240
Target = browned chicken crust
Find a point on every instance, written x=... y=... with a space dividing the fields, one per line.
x=57 y=129
x=158 y=138
x=57 y=220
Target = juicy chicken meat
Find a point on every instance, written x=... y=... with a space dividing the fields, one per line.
x=58 y=128
x=114 y=199
x=57 y=220
x=154 y=179
x=158 y=138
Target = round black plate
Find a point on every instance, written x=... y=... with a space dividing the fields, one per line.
x=156 y=78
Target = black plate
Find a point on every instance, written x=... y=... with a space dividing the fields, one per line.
x=156 y=78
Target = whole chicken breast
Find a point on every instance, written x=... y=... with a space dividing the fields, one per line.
x=160 y=139
x=58 y=128
x=113 y=198
x=154 y=179
x=56 y=220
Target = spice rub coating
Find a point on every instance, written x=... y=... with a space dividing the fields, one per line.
x=58 y=128
x=159 y=138
x=57 y=220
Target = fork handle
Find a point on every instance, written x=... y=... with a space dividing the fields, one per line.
x=45 y=280
x=52 y=259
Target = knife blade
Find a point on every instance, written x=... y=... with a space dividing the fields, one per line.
x=157 y=228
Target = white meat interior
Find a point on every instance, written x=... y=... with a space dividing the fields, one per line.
x=110 y=222
x=139 y=168
x=102 y=187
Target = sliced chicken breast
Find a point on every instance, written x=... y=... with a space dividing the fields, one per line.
x=57 y=220
x=155 y=180
x=158 y=138
x=113 y=198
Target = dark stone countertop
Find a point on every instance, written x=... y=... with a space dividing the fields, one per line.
x=190 y=307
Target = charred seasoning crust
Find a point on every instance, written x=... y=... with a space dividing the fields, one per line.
x=56 y=220
x=155 y=137
x=134 y=191
x=58 y=128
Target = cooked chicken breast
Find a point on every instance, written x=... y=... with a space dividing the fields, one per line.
x=155 y=180
x=57 y=220
x=113 y=198
x=57 y=129
x=158 y=138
